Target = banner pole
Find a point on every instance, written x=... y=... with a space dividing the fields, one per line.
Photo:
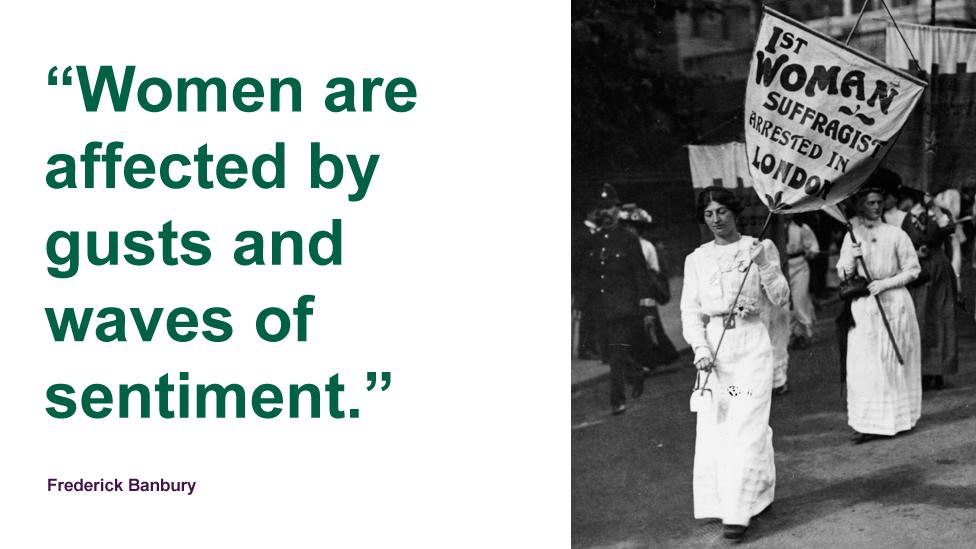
x=877 y=298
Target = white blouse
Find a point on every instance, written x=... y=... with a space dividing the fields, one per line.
x=888 y=253
x=713 y=275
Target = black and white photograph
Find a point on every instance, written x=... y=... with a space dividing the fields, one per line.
x=773 y=273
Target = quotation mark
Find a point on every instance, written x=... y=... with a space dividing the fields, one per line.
x=52 y=77
x=371 y=378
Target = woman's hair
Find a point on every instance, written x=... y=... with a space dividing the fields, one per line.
x=721 y=195
x=863 y=194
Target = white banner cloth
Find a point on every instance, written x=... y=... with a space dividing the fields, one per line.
x=819 y=116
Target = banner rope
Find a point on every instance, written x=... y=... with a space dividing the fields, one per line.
x=699 y=138
x=909 y=48
x=850 y=35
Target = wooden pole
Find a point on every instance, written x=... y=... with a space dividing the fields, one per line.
x=877 y=298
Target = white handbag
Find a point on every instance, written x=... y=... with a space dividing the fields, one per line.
x=701 y=396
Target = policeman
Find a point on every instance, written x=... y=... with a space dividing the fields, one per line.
x=614 y=283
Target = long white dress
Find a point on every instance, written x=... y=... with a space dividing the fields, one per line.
x=734 y=476
x=777 y=321
x=883 y=396
x=800 y=239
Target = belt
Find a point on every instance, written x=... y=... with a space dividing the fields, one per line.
x=728 y=321
x=731 y=321
x=795 y=254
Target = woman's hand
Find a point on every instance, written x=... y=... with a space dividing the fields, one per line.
x=878 y=286
x=856 y=250
x=704 y=363
x=758 y=253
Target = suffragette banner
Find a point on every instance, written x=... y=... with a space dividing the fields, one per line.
x=819 y=116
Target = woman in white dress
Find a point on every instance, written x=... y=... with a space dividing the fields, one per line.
x=883 y=396
x=734 y=477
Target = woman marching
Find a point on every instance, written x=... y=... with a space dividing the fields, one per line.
x=884 y=396
x=929 y=228
x=734 y=476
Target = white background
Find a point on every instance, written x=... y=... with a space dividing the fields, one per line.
x=454 y=278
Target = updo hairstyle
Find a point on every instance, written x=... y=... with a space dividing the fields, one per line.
x=721 y=195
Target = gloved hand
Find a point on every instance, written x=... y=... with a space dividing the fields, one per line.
x=856 y=250
x=758 y=253
x=703 y=358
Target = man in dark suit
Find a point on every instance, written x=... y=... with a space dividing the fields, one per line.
x=614 y=284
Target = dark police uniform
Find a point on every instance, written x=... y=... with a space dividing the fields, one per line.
x=613 y=281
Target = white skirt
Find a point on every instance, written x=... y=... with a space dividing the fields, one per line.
x=735 y=476
x=883 y=397
x=777 y=321
x=803 y=311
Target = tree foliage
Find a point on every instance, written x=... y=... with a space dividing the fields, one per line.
x=630 y=104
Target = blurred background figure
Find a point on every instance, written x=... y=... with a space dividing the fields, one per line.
x=936 y=291
x=652 y=347
x=585 y=344
x=801 y=246
x=777 y=320
x=950 y=202
x=822 y=225
x=893 y=215
x=614 y=286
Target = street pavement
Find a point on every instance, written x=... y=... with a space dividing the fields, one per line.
x=631 y=474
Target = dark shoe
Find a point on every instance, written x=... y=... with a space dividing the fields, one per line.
x=619 y=409
x=734 y=531
x=938 y=383
x=781 y=390
x=861 y=438
x=928 y=382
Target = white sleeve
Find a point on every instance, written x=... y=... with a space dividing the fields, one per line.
x=652 y=261
x=908 y=265
x=650 y=255
x=810 y=240
x=692 y=326
x=845 y=262
x=771 y=276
